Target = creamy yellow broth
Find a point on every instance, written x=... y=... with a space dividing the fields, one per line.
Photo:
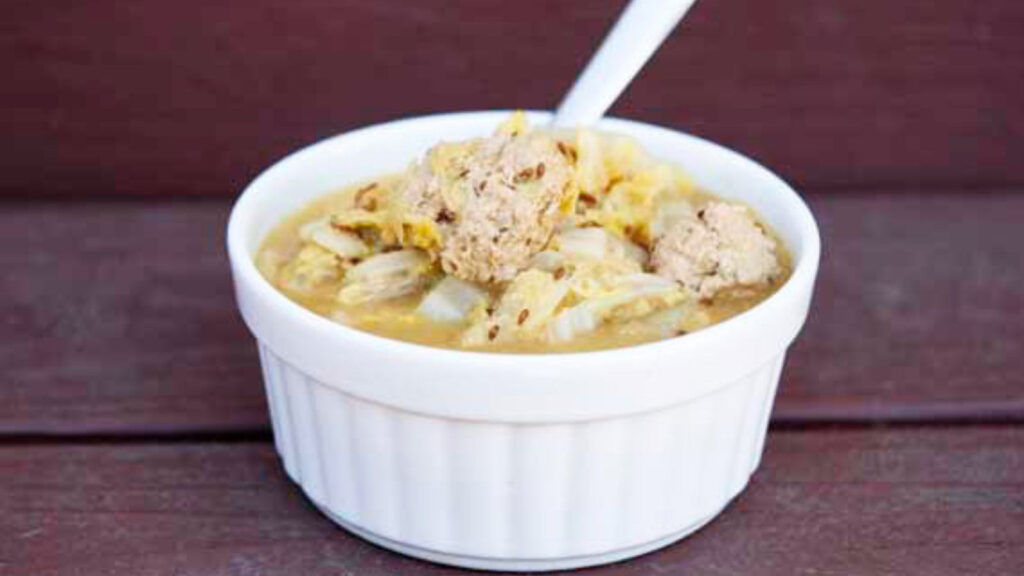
x=397 y=318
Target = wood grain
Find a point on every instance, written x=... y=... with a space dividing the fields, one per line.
x=192 y=97
x=918 y=314
x=843 y=502
x=119 y=317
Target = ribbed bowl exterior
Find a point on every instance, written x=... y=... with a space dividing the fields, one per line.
x=514 y=491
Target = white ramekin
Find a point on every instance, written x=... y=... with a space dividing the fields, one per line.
x=520 y=462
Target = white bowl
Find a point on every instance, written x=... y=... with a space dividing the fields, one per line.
x=516 y=462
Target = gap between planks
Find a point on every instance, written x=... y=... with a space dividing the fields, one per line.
x=260 y=436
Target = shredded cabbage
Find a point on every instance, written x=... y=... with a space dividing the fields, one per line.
x=668 y=213
x=635 y=295
x=344 y=244
x=548 y=260
x=591 y=174
x=452 y=300
x=310 y=269
x=523 y=311
x=598 y=244
x=385 y=276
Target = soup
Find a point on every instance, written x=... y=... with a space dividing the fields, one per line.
x=528 y=241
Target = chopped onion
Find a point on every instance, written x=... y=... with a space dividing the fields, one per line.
x=451 y=300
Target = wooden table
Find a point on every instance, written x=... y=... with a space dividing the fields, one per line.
x=133 y=431
x=135 y=441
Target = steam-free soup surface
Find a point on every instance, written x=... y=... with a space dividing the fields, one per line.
x=526 y=241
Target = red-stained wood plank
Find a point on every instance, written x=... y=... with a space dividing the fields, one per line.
x=918 y=313
x=119 y=317
x=924 y=501
x=154 y=97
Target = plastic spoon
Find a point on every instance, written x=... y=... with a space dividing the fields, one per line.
x=643 y=26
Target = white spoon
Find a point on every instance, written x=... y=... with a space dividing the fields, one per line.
x=643 y=26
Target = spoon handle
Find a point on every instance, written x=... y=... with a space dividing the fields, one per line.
x=641 y=28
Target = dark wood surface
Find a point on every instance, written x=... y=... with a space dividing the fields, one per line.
x=119 y=317
x=827 y=503
x=133 y=430
x=133 y=435
x=194 y=97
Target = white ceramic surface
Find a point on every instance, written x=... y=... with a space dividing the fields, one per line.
x=526 y=462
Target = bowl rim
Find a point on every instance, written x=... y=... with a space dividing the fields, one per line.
x=244 y=267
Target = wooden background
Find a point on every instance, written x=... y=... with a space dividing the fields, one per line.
x=194 y=97
x=133 y=430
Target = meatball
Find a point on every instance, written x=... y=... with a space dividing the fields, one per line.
x=720 y=247
x=496 y=201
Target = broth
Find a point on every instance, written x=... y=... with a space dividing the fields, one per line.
x=397 y=319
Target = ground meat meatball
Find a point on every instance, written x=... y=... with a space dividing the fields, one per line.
x=718 y=248
x=495 y=200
